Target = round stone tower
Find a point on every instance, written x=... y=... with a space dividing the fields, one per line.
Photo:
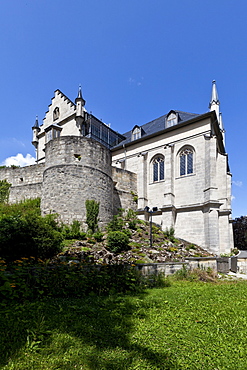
x=77 y=169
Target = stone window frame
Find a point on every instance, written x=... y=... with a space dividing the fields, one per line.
x=186 y=161
x=157 y=166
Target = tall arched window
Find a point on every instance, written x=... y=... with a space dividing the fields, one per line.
x=158 y=168
x=186 y=162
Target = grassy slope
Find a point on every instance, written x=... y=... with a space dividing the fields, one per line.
x=186 y=326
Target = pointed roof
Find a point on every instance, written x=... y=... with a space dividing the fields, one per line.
x=214 y=95
x=79 y=96
x=36 y=124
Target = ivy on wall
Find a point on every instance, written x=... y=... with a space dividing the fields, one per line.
x=4 y=191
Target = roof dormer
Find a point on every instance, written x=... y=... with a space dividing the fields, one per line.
x=172 y=118
x=136 y=133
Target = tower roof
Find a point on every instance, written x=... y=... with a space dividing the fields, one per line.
x=36 y=124
x=79 y=96
x=214 y=95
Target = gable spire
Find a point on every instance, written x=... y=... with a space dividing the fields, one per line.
x=214 y=102
x=79 y=97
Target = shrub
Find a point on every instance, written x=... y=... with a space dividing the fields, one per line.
x=131 y=215
x=116 y=224
x=73 y=231
x=133 y=224
x=4 y=191
x=24 y=232
x=117 y=241
x=98 y=236
x=34 y=236
x=169 y=234
x=92 y=208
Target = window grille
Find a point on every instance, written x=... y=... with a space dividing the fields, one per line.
x=186 y=162
x=158 y=169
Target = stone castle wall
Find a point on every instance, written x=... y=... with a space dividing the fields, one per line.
x=125 y=187
x=26 y=181
x=76 y=169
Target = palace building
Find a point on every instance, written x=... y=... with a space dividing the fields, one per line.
x=175 y=167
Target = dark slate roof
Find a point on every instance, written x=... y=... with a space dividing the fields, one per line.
x=157 y=125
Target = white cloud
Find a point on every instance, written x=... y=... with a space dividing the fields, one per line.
x=233 y=197
x=19 y=160
x=238 y=183
x=133 y=81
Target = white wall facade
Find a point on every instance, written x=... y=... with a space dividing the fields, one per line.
x=198 y=204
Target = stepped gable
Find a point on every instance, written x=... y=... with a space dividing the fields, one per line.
x=65 y=108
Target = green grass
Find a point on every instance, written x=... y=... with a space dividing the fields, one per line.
x=189 y=325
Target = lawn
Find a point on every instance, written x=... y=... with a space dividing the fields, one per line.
x=189 y=325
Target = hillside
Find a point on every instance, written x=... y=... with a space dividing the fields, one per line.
x=165 y=246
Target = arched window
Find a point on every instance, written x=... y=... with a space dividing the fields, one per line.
x=158 y=168
x=56 y=114
x=136 y=133
x=186 y=162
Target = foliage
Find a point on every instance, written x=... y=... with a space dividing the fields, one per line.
x=199 y=274
x=4 y=191
x=25 y=207
x=73 y=231
x=92 y=208
x=28 y=279
x=24 y=232
x=169 y=233
x=116 y=224
x=135 y=196
x=117 y=241
x=131 y=215
x=98 y=236
x=151 y=331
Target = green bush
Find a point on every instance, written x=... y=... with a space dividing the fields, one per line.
x=169 y=233
x=117 y=241
x=98 y=236
x=29 y=279
x=24 y=232
x=73 y=231
x=116 y=224
x=4 y=191
x=92 y=208
x=131 y=215
x=133 y=224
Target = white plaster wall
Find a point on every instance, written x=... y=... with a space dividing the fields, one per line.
x=66 y=109
x=190 y=226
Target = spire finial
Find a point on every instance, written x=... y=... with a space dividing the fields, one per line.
x=214 y=96
x=79 y=93
x=36 y=124
x=79 y=96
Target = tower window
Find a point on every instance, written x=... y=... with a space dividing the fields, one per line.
x=186 y=162
x=52 y=132
x=158 y=167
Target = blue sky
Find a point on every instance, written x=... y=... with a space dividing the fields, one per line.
x=135 y=59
